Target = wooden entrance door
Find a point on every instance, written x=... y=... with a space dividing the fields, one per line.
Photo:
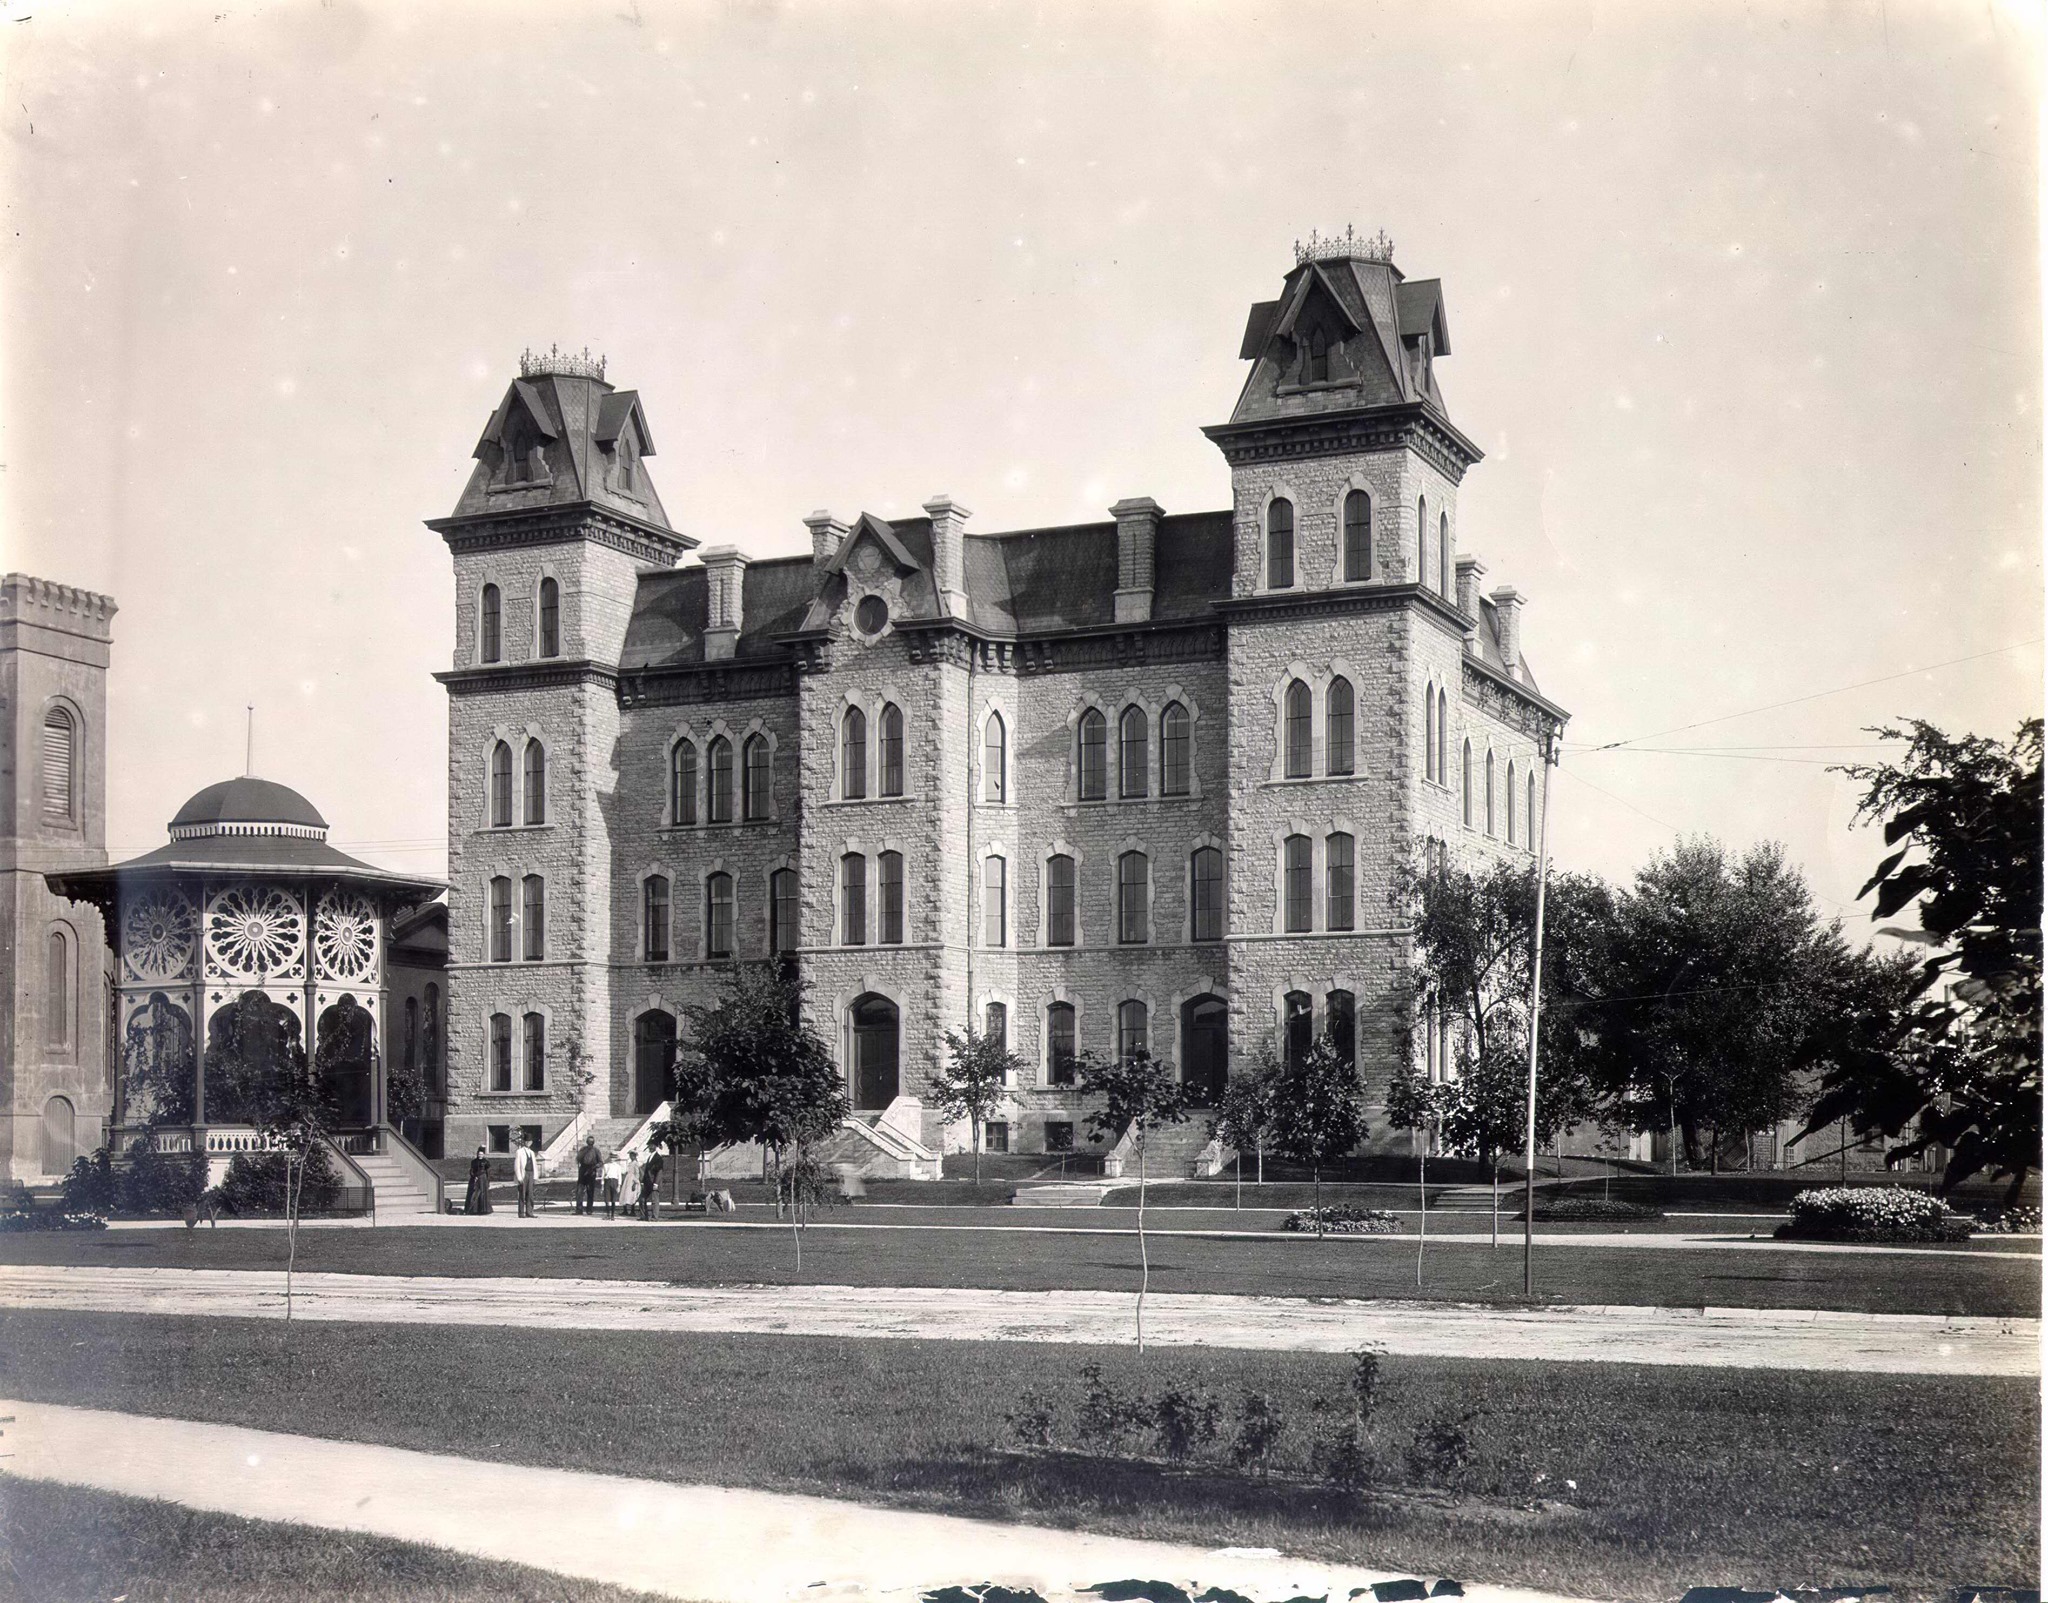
x=876 y=1036
x=1205 y=1049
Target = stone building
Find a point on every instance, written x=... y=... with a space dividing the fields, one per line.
x=1146 y=780
x=56 y=1077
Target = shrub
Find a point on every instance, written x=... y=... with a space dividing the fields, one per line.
x=1599 y=1210
x=1344 y=1221
x=1031 y=1421
x=256 y=1182
x=1259 y=1428
x=1343 y=1459
x=2017 y=1221
x=1874 y=1213
x=1106 y=1416
x=1185 y=1421
x=160 y=1182
x=1440 y=1452
x=90 y=1185
x=34 y=1218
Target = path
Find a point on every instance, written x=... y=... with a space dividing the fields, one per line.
x=715 y=1544
x=1740 y=1338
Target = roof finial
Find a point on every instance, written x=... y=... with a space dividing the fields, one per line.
x=1351 y=246
x=249 y=752
x=555 y=360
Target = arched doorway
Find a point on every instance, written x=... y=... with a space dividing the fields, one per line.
x=877 y=1034
x=654 y=1059
x=346 y=1058
x=1204 y=1048
x=253 y=1045
x=60 y=1135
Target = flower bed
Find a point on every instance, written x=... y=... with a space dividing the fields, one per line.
x=1592 y=1210
x=1343 y=1221
x=29 y=1219
x=2020 y=1221
x=1873 y=1213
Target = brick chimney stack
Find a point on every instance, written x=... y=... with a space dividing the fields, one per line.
x=949 y=553
x=724 y=584
x=828 y=534
x=1137 y=535
x=1470 y=571
x=1507 y=618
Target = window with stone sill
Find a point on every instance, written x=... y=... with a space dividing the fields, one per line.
x=853 y=755
x=718 y=917
x=718 y=792
x=1059 y=900
x=889 y=877
x=1092 y=756
x=1175 y=765
x=1133 y=763
x=682 y=783
x=1059 y=1043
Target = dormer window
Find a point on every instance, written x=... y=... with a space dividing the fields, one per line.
x=525 y=459
x=625 y=465
x=1317 y=369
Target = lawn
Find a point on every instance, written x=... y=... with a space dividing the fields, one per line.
x=63 y=1544
x=1684 y=1476
x=2004 y=1279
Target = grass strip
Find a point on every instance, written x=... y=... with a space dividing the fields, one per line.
x=1684 y=1476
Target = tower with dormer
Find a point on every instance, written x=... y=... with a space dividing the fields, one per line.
x=1142 y=782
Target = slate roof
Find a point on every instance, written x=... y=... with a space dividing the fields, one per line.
x=249 y=800
x=578 y=419
x=673 y=606
x=271 y=856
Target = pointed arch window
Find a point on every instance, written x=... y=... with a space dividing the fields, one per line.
x=718 y=770
x=682 y=783
x=853 y=900
x=718 y=916
x=1443 y=552
x=1318 y=356
x=1133 y=898
x=57 y=1031
x=501 y=919
x=1092 y=755
x=1429 y=732
x=1300 y=731
x=889 y=882
x=536 y=1077
x=853 y=755
x=995 y=901
x=501 y=786
x=1340 y=882
x=1133 y=752
x=1280 y=545
x=1059 y=1043
x=755 y=778
x=1059 y=900
x=1132 y=1032
x=60 y=764
x=654 y=920
x=1443 y=737
x=1298 y=889
x=1205 y=894
x=536 y=782
x=533 y=921
x=995 y=757
x=1422 y=540
x=890 y=735
x=492 y=643
x=1467 y=786
x=1529 y=811
x=550 y=618
x=1340 y=1013
x=1298 y=1025
x=1489 y=792
x=501 y=1051
x=1510 y=799
x=1338 y=719
x=1176 y=777
x=782 y=911
x=1357 y=537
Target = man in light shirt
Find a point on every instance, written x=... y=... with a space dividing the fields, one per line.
x=526 y=1171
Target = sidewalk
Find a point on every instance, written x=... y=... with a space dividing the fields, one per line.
x=713 y=1544
x=1736 y=1338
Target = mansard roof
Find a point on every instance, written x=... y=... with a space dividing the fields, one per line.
x=673 y=607
x=1489 y=651
x=580 y=421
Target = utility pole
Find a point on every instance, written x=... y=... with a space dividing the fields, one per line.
x=1550 y=755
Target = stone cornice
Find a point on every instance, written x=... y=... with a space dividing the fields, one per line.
x=1375 y=428
x=1288 y=605
x=684 y=684
x=1084 y=647
x=1511 y=702
x=556 y=525
x=545 y=673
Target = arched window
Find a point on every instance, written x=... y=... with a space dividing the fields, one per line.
x=1529 y=812
x=1428 y=733
x=1059 y=1043
x=533 y=920
x=754 y=778
x=889 y=878
x=1299 y=888
x=654 y=918
x=1175 y=767
x=782 y=910
x=1357 y=536
x=57 y=1023
x=1280 y=545
x=1205 y=894
x=536 y=1078
x=1443 y=737
x=891 y=736
x=1133 y=898
x=853 y=755
x=718 y=771
x=1297 y=1025
x=1338 y=745
x=550 y=618
x=995 y=757
x=501 y=1051
x=60 y=1135
x=682 y=783
x=1092 y=759
x=853 y=900
x=501 y=786
x=1059 y=900
x=1339 y=881
x=536 y=782
x=1131 y=1032
x=409 y=1049
x=60 y=764
x=1340 y=1014
x=1466 y=788
x=1489 y=792
x=493 y=625
x=500 y=931
x=1133 y=755
x=995 y=1024
x=1300 y=732
x=1510 y=799
x=1443 y=552
x=995 y=901
x=718 y=916
x=1422 y=540
x=1318 y=356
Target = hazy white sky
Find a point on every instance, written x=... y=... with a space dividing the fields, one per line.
x=1743 y=301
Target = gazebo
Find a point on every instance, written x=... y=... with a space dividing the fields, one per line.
x=245 y=936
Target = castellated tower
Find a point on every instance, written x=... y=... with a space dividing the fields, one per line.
x=557 y=520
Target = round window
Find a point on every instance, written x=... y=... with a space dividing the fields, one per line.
x=870 y=615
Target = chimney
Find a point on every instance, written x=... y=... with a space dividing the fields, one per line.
x=828 y=534
x=949 y=553
x=1137 y=534
x=724 y=577
x=1470 y=570
x=1507 y=624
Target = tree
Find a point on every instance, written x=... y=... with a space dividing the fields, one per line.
x=1318 y=1111
x=770 y=1077
x=1964 y=814
x=1139 y=1094
x=973 y=1082
x=1244 y=1117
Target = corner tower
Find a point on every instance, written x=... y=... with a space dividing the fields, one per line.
x=557 y=520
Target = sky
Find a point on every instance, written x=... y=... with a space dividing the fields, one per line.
x=1743 y=299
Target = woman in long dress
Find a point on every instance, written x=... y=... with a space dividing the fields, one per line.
x=479 y=1198
x=629 y=1188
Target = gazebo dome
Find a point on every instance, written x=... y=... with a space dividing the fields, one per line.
x=248 y=806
